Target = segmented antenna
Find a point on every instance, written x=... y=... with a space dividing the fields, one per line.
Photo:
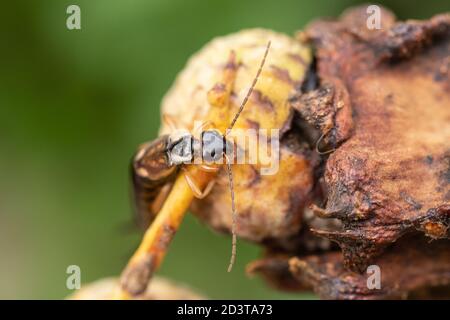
x=233 y=216
x=244 y=102
x=230 y=173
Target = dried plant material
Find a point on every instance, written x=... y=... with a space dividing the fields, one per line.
x=159 y=289
x=275 y=270
x=391 y=174
x=411 y=268
x=327 y=109
x=267 y=108
x=274 y=267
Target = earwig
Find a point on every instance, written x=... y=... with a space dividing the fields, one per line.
x=156 y=164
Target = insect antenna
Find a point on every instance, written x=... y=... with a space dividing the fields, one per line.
x=244 y=102
x=228 y=162
x=233 y=216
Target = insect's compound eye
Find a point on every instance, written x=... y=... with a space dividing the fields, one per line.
x=180 y=149
x=212 y=146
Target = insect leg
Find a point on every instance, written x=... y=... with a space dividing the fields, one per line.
x=207 y=168
x=195 y=189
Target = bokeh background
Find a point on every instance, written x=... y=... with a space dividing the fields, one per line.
x=73 y=107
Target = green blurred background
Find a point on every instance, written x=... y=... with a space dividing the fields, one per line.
x=73 y=107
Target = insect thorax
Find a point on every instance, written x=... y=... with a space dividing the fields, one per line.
x=213 y=146
x=184 y=148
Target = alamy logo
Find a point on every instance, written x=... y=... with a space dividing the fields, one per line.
x=259 y=147
x=374 y=17
x=73 y=281
x=73 y=21
x=374 y=279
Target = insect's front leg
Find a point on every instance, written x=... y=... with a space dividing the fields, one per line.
x=198 y=193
